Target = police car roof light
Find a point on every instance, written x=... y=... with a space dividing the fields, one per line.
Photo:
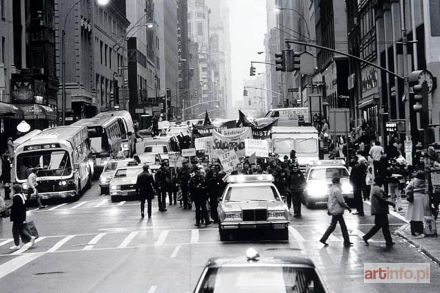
x=249 y=178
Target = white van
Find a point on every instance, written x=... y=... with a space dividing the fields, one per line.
x=302 y=139
x=287 y=116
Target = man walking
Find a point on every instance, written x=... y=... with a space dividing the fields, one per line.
x=183 y=177
x=32 y=183
x=336 y=206
x=18 y=219
x=198 y=189
x=145 y=189
x=357 y=179
x=163 y=183
x=376 y=153
x=379 y=208
x=214 y=193
x=296 y=187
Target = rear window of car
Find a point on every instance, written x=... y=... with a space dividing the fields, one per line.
x=261 y=279
x=251 y=193
x=160 y=149
x=327 y=173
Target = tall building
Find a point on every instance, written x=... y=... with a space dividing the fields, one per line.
x=142 y=44
x=165 y=12
x=34 y=84
x=220 y=52
x=95 y=56
x=191 y=110
x=183 y=55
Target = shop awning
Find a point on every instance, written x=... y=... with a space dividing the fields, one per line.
x=8 y=110
x=36 y=111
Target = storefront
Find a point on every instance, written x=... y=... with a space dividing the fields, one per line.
x=368 y=104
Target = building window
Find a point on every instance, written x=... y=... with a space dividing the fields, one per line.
x=199 y=29
x=110 y=51
x=3 y=50
x=100 y=49
x=105 y=55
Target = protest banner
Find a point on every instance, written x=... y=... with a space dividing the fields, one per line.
x=234 y=131
x=223 y=143
x=229 y=161
x=189 y=152
x=201 y=143
x=258 y=147
x=263 y=131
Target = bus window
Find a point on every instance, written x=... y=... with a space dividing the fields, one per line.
x=48 y=163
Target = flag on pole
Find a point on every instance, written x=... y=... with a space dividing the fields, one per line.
x=207 y=121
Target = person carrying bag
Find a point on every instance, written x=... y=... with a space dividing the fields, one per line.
x=20 y=228
x=418 y=204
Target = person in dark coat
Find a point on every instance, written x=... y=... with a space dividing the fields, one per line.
x=296 y=183
x=379 y=208
x=198 y=189
x=357 y=179
x=145 y=189
x=18 y=219
x=183 y=178
x=215 y=183
x=163 y=183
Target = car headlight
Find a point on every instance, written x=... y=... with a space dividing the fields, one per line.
x=316 y=190
x=62 y=183
x=25 y=186
x=115 y=187
x=232 y=216
x=346 y=188
x=276 y=214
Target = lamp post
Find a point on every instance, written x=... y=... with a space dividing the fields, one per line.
x=63 y=56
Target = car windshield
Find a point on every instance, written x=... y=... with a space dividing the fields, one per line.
x=159 y=149
x=327 y=173
x=113 y=165
x=127 y=172
x=261 y=280
x=48 y=163
x=251 y=193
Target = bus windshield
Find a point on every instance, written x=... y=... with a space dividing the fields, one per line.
x=47 y=163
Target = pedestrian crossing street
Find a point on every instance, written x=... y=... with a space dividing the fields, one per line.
x=301 y=237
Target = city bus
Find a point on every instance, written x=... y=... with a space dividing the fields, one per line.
x=60 y=158
x=127 y=126
x=105 y=139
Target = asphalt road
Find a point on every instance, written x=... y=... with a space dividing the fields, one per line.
x=93 y=245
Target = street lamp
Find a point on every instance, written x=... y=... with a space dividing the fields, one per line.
x=63 y=55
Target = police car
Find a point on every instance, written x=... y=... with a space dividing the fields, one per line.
x=252 y=273
x=123 y=183
x=109 y=170
x=319 y=176
x=252 y=202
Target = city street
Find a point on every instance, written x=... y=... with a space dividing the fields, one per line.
x=93 y=245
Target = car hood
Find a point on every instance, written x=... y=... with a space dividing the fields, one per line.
x=233 y=206
x=123 y=181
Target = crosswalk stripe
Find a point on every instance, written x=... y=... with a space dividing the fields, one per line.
x=152 y=289
x=103 y=202
x=93 y=242
x=194 y=236
x=175 y=251
x=128 y=239
x=26 y=246
x=17 y=262
x=5 y=242
x=58 y=206
x=162 y=237
x=60 y=243
x=357 y=232
x=121 y=203
x=80 y=204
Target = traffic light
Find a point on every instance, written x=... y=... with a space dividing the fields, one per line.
x=280 y=61
x=421 y=92
x=245 y=92
x=292 y=61
x=252 y=70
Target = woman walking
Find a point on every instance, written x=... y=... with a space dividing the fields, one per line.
x=418 y=204
x=18 y=219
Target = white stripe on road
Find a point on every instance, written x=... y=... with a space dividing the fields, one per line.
x=162 y=237
x=58 y=206
x=333 y=238
x=26 y=246
x=298 y=238
x=152 y=289
x=121 y=203
x=194 y=235
x=18 y=262
x=80 y=204
x=60 y=243
x=175 y=251
x=6 y=242
x=128 y=239
x=103 y=202
x=93 y=242
x=357 y=232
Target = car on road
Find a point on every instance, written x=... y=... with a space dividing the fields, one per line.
x=123 y=183
x=252 y=273
x=109 y=170
x=252 y=202
x=319 y=176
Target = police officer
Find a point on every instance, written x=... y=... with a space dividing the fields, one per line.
x=296 y=187
x=163 y=182
x=198 y=189
x=215 y=183
x=145 y=189
x=183 y=178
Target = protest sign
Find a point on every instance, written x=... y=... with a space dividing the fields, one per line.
x=229 y=161
x=234 y=131
x=223 y=143
x=188 y=152
x=258 y=147
x=201 y=143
